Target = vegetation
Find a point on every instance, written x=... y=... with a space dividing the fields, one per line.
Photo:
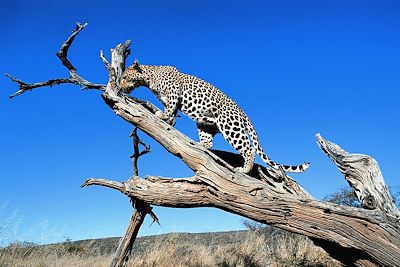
x=262 y=246
x=63 y=254
x=346 y=196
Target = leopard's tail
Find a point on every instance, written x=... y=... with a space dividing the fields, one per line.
x=254 y=138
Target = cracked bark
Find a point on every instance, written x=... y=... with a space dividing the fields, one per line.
x=368 y=236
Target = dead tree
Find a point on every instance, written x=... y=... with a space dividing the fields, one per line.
x=367 y=236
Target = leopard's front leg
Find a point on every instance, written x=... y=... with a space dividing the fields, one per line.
x=171 y=105
x=171 y=120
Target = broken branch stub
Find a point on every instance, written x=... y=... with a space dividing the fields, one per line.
x=363 y=174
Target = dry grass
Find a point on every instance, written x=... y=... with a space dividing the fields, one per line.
x=58 y=255
x=256 y=248
x=295 y=250
x=252 y=251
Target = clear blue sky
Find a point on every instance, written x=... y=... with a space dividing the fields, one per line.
x=296 y=68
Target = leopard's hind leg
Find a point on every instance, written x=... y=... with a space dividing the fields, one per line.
x=233 y=130
x=206 y=134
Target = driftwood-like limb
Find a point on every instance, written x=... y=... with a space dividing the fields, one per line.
x=348 y=231
x=359 y=235
x=363 y=174
x=278 y=181
x=74 y=78
x=354 y=236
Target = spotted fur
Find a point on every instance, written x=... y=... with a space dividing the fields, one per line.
x=213 y=111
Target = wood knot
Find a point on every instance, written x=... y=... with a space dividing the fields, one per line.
x=369 y=202
x=366 y=161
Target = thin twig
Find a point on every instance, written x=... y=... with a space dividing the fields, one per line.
x=136 y=151
x=106 y=63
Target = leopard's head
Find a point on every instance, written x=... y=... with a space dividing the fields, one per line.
x=133 y=77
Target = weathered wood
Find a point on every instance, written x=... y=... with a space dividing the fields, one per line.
x=279 y=182
x=125 y=245
x=217 y=185
x=369 y=234
x=141 y=209
x=363 y=174
x=355 y=236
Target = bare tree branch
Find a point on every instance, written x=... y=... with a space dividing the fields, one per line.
x=74 y=78
x=63 y=52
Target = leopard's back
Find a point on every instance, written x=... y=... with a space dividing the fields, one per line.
x=197 y=97
x=212 y=110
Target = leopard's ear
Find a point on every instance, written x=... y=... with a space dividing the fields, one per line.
x=136 y=65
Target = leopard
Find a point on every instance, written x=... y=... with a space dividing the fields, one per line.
x=213 y=111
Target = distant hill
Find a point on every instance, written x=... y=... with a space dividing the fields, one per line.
x=107 y=246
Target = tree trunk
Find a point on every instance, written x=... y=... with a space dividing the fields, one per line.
x=125 y=245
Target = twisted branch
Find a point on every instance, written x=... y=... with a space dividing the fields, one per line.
x=363 y=174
